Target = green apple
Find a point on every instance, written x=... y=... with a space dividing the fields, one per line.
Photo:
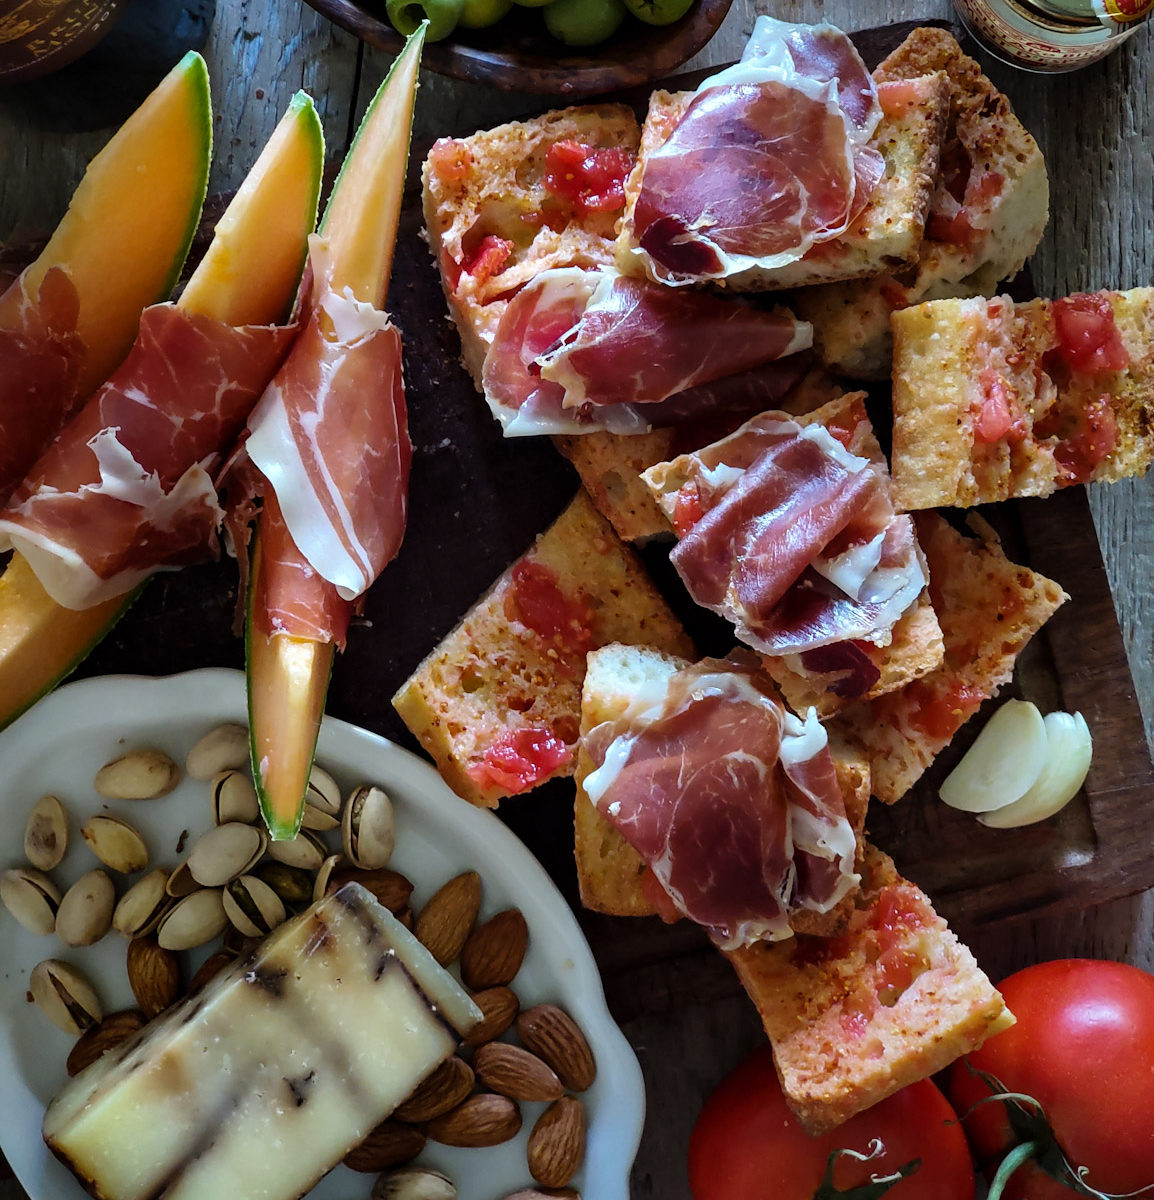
x=442 y=15
x=584 y=22
x=659 y=12
x=480 y=14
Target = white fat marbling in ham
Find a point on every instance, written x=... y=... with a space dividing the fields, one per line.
x=581 y=350
x=732 y=802
x=798 y=543
x=330 y=435
x=769 y=160
x=127 y=489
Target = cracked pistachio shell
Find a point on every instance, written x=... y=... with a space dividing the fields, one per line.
x=46 y=834
x=32 y=898
x=137 y=775
x=306 y=851
x=225 y=853
x=221 y=749
x=180 y=882
x=85 y=913
x=413 y=1183
x=324 y=792
x=141 y=907
x=234 y=799
x=368 y=828
x=317 y=820
x=115 y=843
x=324 y=874
x=192 y=921
x=252 y=906
x=64 y=996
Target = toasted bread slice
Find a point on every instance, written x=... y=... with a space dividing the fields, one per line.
x=988 y=609
x=492 y=185
x=610 y=873
x=890 y=1001
x=958 y=258
x=959 y=363
x=498 y=703
x=885 y=234
x=915 y=647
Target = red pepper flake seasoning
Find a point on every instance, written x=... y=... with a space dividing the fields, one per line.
x=520 y=759
x=1088 y=338
x=450 y=160
x=590 y=180
x=536 y=600
x=941 y=713
x=1094 y=437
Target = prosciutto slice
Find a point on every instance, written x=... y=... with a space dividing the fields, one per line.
x=769 y=160
x=127 y=488
x=330 y=436
x=797 y=543
x=578 y=351
x=731 y=801
x=40 y=355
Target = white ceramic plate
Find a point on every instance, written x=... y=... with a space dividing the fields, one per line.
x=58 y=746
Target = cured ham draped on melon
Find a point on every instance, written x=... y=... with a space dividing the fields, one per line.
x=794 y=539
x=40 y=356
x=769 y=160
x=584 y=350
x=127 y=488
x=732 y=801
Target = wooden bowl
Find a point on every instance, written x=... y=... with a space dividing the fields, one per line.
x=41 y=36
x=518 y=53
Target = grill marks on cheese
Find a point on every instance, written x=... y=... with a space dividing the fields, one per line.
x=769 y=160
x=732 y=802
x=127 y=488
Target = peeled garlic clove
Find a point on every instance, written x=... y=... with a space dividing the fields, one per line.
x=1002 y=764
x=1069 y=749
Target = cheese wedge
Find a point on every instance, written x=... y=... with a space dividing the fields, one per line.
x=262 y=1082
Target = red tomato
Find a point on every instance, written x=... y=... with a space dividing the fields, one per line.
x=1083 y=1047
x=747 y=1145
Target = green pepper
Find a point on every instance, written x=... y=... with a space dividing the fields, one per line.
x=442 y=15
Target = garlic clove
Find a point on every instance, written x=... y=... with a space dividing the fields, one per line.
x=1002 y=764
x=1069 y=749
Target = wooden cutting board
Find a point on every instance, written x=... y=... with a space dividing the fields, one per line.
x=478 y=500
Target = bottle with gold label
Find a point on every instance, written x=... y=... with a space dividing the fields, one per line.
x=1052 y=35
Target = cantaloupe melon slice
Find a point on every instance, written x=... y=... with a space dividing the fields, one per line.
x=288 y=677
x=128 y=228
x=248 y=275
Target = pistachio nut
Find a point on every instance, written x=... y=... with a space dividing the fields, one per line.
x=324 y=792
x=292 y=884
x=225 y=853
x=221 y=749
x=64 y=996
x=180 y=882
x=413 y=1183
x=31 y=897
x=137 y=775
x=252 y=906
x=234 y=798
x=46 y=834
x=141 y=907
x=192 y=921
x=306 y=851
x=85 y=912
x=324 y=874
x=368 y=829
x=318 y=820
x=115 y=843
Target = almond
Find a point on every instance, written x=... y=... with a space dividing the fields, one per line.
x=448 y=1085
x=390 y=887
x=389 y=1145
x=495 y=950
x=516 y=1073
x=483 y=1120
x=499 y=1006
x=117 y=1027
x=545 y=1194
x=447 y=920
x=209 y=969
x=552 y=1034
x=154 y=975
x=557 y=1143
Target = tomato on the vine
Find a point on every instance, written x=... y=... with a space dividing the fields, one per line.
x=747 y=1145
x=1083 y=1048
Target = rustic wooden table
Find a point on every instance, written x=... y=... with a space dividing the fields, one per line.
x=1097 y=131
